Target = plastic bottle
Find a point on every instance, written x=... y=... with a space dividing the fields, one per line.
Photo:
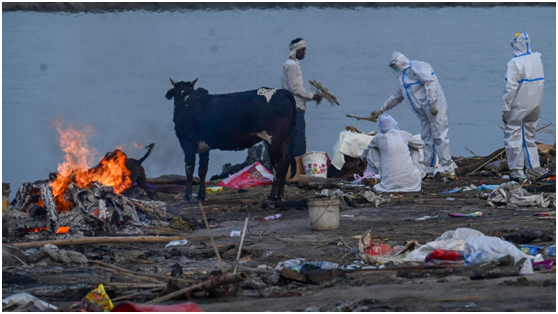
x=274 y=217
x=324 y=264
x=445 y=255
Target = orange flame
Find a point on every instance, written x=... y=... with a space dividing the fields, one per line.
x=111 y=171
x=62 y=229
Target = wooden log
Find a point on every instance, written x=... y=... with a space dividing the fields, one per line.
x=50 y=206
x=479 y=164
x=211 y=284
x=27 y=245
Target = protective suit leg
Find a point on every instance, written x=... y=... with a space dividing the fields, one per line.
x=439 y=129
x=531 y=155
x=513 y=139
x=373 y=160
x=429 y=158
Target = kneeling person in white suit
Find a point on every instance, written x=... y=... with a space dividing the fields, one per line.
x=395 y=157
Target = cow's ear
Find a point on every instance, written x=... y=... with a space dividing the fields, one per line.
x=193 y=82
x=172 y=82
x=170 y=94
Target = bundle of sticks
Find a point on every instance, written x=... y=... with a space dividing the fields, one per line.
x=318 y=88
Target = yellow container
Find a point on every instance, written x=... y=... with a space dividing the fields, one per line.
x=5 y=202
x=214 y=189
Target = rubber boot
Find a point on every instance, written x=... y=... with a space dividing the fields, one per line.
x=298 y=170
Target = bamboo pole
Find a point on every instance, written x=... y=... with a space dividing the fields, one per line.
x=223 y=271
x=240 y=247
x=26 y=245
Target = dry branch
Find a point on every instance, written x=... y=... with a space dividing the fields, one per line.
x=324 y=93
x=211 y=284
x=360 y=118
x=125 y=272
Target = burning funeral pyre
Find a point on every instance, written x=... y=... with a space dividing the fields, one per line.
x=81 y=201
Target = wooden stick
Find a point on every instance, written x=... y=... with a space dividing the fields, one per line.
x=207 y=285
x=133 y=285
x=360 y=118
x=472 y=152
x=129 y=296
x=240 y=247
x=123 y=270
x=223 y=271
x=152 y=280
x=26 y=245
x=489 y=161
x=544 y=127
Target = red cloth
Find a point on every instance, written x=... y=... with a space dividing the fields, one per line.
x=128 y=306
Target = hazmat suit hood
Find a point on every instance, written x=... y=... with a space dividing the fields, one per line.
x=399 y=62
x=387 y=123
x=521 y=44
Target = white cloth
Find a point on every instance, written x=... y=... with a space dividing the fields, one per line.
x=522 y=97
x=293 y=82
x=419 y=85
x=389 y=155
x=296 y=46
x=350 y=144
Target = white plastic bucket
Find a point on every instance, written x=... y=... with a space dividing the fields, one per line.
x=324 y=213
x=315 y=164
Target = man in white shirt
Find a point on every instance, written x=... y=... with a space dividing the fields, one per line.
x=292 y=81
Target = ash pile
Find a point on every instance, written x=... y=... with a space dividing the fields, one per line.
x=93 y=210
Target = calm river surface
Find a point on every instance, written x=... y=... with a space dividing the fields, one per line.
x=111 y=71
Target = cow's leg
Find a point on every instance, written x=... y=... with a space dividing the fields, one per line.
x=190 y=162
x=202 y=171
x=278 y=155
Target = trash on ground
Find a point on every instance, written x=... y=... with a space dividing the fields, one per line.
x=450 y=199
x=250 y=176
x=545 y=214
x=348 y=216
x=441 y=257
x=235 y=233
x=486 y=187
x=529 y=249
x=213 y=189
x=128 y=306
x=526 y=236
x=274 y=217
x=482 y=249
x=512 y=194
x=177 y=243
x=24 y=302
x=475 y=214
x=427 y=217
x=449 y=240
x=545 y=264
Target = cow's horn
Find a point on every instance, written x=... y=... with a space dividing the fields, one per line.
x=173 y=82
x=194 y=82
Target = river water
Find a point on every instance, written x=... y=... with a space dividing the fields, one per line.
x=111 y=71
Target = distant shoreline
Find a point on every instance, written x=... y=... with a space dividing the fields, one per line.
x=98 y=7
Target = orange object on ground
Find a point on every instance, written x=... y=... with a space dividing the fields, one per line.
x=128 y=306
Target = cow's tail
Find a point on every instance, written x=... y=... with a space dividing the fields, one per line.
x=149 y=148
x=291 y=155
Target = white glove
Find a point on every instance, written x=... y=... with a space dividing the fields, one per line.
x=375 y=114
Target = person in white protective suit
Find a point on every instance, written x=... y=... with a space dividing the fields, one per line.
x=419 y=85
x=522 y=97
x=395 y=157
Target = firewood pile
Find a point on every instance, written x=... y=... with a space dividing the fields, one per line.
x=96 y=208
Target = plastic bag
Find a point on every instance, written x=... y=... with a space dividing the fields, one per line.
x=25 y=302
x=250 y=176
x=512 y=194
x=486 y=249
x=449 y=240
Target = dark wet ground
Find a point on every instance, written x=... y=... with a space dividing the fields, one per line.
x=291 y=237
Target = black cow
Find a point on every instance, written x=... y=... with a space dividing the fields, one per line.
x=233 y=122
